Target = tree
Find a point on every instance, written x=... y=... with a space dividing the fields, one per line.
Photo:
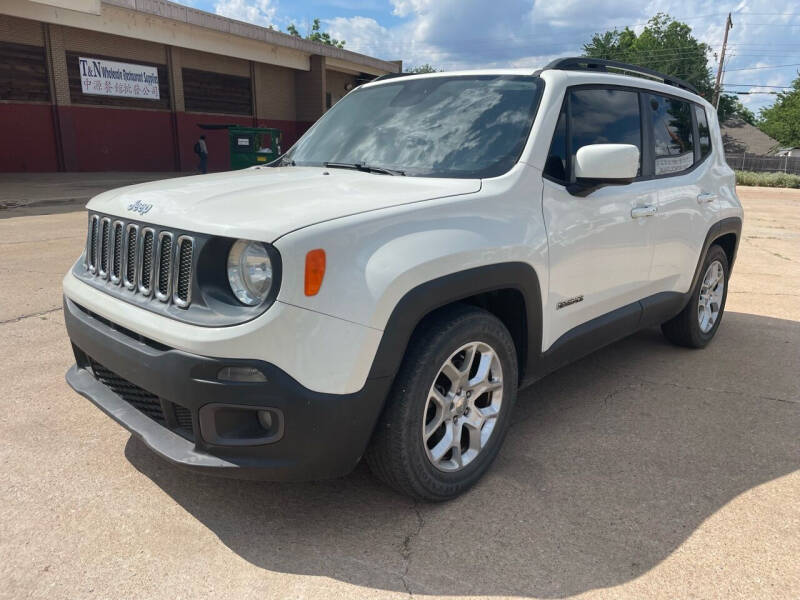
x=730 y=106
x=316 y=35
x=665 y=45
x=426 y=68
x=782 y=119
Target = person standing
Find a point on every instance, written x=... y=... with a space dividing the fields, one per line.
x=201 y=149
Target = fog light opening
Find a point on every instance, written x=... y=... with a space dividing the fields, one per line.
x=241 y=375
x=240 y=425
x=265 y=418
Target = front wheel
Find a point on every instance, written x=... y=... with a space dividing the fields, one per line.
x=696 y=324
x=449 y=407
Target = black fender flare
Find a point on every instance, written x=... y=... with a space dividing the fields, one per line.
x=717 y=230
x=420 y=301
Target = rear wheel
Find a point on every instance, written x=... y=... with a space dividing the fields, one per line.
x=449 y=407
x=696 y=324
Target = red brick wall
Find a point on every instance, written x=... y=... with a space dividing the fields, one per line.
x=28 y=138
x=116 y=139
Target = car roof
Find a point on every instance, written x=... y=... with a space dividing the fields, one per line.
x=460 y=73
x=576 y=76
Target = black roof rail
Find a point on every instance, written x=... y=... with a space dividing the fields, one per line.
x=585 y=63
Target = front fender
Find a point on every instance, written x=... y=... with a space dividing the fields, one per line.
x=373 y=260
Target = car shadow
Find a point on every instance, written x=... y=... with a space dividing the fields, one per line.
x=610 y=465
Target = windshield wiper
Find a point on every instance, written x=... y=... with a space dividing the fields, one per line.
x=363 y=167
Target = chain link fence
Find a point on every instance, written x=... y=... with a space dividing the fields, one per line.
x=764 y=164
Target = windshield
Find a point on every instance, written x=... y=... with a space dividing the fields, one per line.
x=466 y=126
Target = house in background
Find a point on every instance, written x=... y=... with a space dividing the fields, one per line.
x=747 y=148
x=740 y=137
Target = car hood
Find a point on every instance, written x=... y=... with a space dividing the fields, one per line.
x=265 y=203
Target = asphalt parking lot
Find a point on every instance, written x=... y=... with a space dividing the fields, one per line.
x=644 y=470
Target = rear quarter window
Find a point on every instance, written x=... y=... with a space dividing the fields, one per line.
x=703 y=132
x=671 y=122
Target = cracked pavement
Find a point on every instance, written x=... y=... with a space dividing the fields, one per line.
x=643 y=470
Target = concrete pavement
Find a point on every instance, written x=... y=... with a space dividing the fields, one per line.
x=24 y=194
x=644 y=470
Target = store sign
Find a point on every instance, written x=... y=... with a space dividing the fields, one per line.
x=110 y=78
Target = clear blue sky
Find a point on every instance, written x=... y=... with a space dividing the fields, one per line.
x=451 y=34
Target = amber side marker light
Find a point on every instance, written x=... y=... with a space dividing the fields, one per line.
x=315 y=271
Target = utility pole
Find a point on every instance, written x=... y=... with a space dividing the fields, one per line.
x=728 y=26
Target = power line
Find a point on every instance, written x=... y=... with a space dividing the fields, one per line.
x=766 y=67
x=771 y=24
x=760 y=14
x=783 y=87
x=763 y=45
x=738 y=93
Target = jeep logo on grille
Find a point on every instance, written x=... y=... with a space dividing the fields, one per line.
x=140 y=207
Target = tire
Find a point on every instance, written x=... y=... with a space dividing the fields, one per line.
x=402 y=452
x=688 y=328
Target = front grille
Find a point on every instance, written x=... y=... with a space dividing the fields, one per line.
x=146 y=269
x=91 y=243
x=170 y=415
x=131 y=241
x=183 y=286
x=183 y=417
x=105 y=234
x=140 y=399
x=145 y=260
x=116 y=250
x=164 y=278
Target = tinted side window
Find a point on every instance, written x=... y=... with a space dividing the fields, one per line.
x=703 y=133
x=556 y=164
x=604 y=117
x=672 y=134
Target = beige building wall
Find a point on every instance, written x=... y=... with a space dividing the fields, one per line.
x=174 y=66
x=57 y=64
x=21 y=31
x=275 y=92
x=310 y=90
x=96 y=43
x=337 y=84
x=203 y=61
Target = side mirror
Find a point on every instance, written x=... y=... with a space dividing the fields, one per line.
x=606 y=163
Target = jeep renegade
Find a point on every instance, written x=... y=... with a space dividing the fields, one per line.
x=430 y=246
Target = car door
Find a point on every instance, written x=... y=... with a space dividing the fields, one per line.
x=687 y=200
x=600 y=244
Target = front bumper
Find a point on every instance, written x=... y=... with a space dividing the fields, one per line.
x=323 y=435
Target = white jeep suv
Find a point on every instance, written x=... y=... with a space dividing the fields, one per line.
x=430 y=246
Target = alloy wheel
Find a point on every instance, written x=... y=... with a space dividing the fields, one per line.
x=462 y=407
x=709 y=304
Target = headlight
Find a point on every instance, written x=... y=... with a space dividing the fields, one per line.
x=249 y=272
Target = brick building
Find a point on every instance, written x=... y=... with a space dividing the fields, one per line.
x=209 y=70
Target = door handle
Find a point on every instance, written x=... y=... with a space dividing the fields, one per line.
x=643 y=211
x=705 y=197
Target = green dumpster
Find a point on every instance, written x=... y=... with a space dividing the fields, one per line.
x=249 y=146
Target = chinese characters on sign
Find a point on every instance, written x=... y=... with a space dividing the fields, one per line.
x=110 y=78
